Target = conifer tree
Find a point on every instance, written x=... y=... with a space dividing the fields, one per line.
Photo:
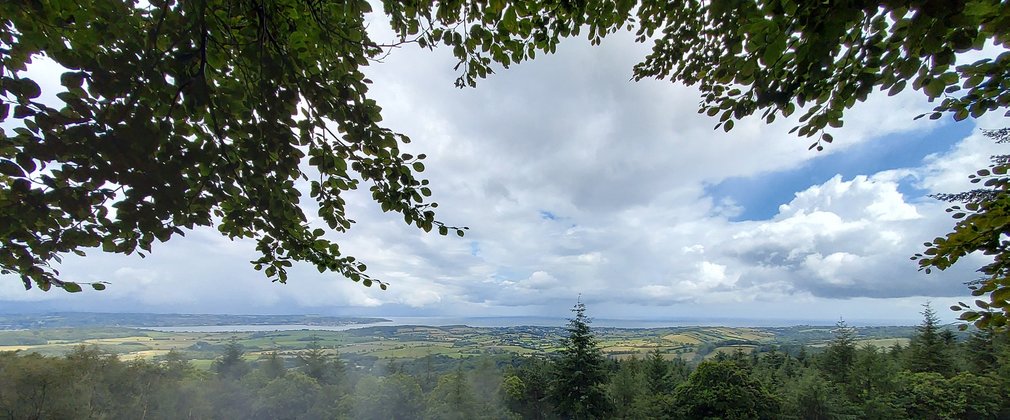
x=626 y=386
x=452 y=398
x=981 y=349
x=272 y=365
x=928 y=352
x=840 y=355
x=658 y=373
x=580 y=375
x=231 y=365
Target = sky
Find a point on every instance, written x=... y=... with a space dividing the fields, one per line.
x=577 y=183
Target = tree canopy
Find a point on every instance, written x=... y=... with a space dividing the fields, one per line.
x=197 y=113
x=982 y=221
x=580 y=372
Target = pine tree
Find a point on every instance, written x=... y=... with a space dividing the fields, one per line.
x=657 y=373
x=840 y=355
x=231 y=365
x=317 y=364
x=580 y=374
x=272 y=365
x=452 y=398
x=981 y=349
x=927 y=351
x=627 y=384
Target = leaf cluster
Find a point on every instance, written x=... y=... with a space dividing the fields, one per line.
x=982 y=224
x=776 y=57
x=196 y=113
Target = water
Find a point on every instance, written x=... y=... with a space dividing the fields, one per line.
x=256 y=328
x=518 y=321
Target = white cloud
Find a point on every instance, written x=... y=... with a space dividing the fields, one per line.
x=622 y=167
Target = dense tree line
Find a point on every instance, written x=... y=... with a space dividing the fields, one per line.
x=939 y=374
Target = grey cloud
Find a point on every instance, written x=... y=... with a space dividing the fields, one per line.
x=624 y=164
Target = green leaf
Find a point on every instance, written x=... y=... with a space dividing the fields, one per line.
x=1001 y=295
x=11 y=169
x=71 y=287
x=72 y=79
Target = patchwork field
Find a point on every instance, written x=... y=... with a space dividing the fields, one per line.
x=367 y=345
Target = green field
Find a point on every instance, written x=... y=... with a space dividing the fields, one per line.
x=413 y=342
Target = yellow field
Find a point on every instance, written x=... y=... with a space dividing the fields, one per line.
x=120 y=340
x=883 y=342
x=143 y=354
x=682 y=338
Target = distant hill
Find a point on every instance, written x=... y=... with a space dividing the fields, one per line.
x=97 y=320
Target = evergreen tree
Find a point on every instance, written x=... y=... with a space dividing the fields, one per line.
x=580 y=375
x=657 y=374
x=452 y=398
x=231 y=365
x=660 y=377
x=981 y=351
x=527 y=389
x=927 y=351
x=872 y=373
x=626 y=386
x=320 y=366
x=291 y=396
x=272 y=365
x=396 y=396
x=813 y=398
x=840 y=355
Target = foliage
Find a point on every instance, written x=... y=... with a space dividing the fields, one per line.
x=183 y=114
x=291 y=396
x=272 y=365
x=774 y=57
x=983 y=220
x=231 y=365
x=397 y=396
x=926 y=395
x=527 y=389
x=88 y=383
x=871 y=374
x=928 y=352
x=840 y=355
x=316 y=364
x=626 y=385
x=724 y=390
x=452 y=398
x=579 y=373
x=813 y=398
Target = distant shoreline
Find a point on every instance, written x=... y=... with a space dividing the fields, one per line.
x=247 y=323
x=142 y=320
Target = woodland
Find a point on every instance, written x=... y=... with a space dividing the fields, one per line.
x=179 y=115
x=939 y=375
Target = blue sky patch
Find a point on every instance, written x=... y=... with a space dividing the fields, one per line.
x=546 y=215
x=761 y=195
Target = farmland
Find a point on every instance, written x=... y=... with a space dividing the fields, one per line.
x=366 y=346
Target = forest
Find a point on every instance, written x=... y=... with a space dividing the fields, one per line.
x=937 y=375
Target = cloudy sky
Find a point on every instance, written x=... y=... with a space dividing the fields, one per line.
x=575 y=180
